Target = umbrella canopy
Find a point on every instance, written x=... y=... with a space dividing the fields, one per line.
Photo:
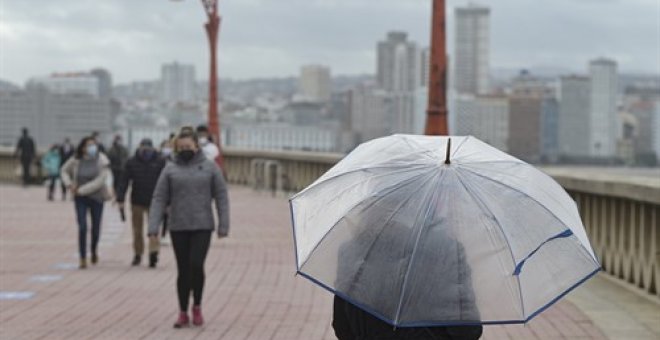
x=418 y=233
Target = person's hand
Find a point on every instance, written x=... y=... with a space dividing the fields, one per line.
x=153 y=237
x=222 y=235
x=73 y=189
x=120 y=204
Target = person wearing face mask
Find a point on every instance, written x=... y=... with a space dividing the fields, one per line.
x=189 y=185
x=141 y=173
x=209 y=148
x=166 y=150
x=85 y=175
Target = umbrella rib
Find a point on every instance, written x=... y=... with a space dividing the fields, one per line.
x=422 y=150
x=405 y=167
x=499 y=224
x=533 y=199
x=382 y=192
x=459 y=146
x=359 y=272
x=412 y=257
x=540 y=173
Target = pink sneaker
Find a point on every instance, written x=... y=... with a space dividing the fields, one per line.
x=182 y=321
x=198 y=319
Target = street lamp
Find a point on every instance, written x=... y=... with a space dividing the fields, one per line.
x=212 y=27
x=436 y=114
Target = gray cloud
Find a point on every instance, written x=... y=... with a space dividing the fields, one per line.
x=274 y=37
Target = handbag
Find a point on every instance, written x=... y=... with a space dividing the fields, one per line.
x=108 y=192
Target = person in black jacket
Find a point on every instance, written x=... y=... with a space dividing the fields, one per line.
x=26 y=151
x=142 y=171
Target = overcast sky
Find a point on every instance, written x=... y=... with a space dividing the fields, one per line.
x=263 y=38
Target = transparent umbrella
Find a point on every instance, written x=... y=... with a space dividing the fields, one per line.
x=419 y=232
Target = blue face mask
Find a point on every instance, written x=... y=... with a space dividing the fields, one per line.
x=92 y=150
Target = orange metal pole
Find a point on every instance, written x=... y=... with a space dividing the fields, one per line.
x=212 y=31
x=436 y=114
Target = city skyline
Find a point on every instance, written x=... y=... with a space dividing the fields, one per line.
x=113 y=35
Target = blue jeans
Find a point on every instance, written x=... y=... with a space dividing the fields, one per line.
x=84 y=204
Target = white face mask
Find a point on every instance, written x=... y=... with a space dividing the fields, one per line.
x=92 y=150
x=166 y=151
x=203 y=140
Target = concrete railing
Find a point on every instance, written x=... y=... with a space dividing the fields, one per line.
x=620 y=210
x=621 y=213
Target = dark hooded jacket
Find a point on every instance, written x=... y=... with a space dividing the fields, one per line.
x=142 y=173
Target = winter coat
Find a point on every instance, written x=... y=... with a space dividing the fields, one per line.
x=26 y=148
x=51 y=162
x=66 y=152
x=189 y=188
x=143 y=175
x=118 y=156
x=69 y=176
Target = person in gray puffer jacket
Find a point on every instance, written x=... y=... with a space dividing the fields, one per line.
x=188 y=185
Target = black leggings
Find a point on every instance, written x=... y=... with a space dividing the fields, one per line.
x=190 y=249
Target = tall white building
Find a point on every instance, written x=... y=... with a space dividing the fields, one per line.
x=485 y=117
x=68 y=83
x=472 y=50
x=574 y=116
x=399 y=73
x=316 y=83
x=603 y=108
x=425 y=67
x=177 y=83
x=398 y=63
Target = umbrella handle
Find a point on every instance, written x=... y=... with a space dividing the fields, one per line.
x=447 y=161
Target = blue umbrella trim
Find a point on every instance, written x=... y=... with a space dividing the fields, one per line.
x=454 y=323
x=564 y=234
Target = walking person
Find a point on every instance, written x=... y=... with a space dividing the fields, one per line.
x=26 y=150
x=99 y=143
x=189 y=185
x=51 y=162
x=67 y=151
x=118 y=156
x=85 y=175
x=207 y=144
x=167 y=153
x=141 y=173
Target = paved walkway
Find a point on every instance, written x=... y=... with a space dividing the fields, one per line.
x=251 y=291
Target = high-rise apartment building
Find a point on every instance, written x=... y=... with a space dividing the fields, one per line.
x=472 y=50
x=604 y=124
x=316 y=83
x=398 y=74
x=574 y=116
x=177 y=83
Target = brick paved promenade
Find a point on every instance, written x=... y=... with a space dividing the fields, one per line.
x=251 y=291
